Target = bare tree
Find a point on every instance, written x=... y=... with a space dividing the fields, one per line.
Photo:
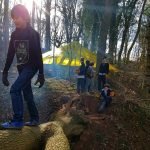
x=69 y=9
x=1 y=25
x=39 y=20
x=127 y=12
x=47 y=33
x=96 y=13
x=33 y=13
x=113 y=32
x=148 y=51
x=6 y=27
x=138 y=30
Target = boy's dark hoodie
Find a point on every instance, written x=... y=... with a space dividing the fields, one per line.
x=25 y=44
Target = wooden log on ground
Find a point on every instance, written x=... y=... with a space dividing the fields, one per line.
x=49 y=136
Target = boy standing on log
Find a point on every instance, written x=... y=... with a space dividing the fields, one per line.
x=25 y=44
x=103 y=70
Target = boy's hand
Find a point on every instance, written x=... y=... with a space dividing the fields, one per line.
x=4 y=79
x=40 y=80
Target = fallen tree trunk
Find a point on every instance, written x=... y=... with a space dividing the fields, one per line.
x=48 y=136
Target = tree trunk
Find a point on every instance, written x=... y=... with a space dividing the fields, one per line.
x=1 y=19
x=95 y=31
x=47 y=34
x=105 y=24
x=126 y=47
x=146 y=87
x=33 y=14
x=40 y=24
x=113 y=34
x=85 y=43
x=124 y=36
x=5 y=28
x=148 y=51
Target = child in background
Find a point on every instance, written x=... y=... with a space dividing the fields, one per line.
x=87 y=73
x=89 y=78
x=25 y=44
x=81 y=77
x=106 y=98
x=92 y=76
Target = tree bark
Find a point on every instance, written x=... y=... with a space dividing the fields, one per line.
x=105 y=24
x=126 y=47
x=1 y=19
x=146 y=87
x=5 y=28
x=95 y=31
x=33 y=14
x=148 y=51
x=47 y=33
x=113 y=34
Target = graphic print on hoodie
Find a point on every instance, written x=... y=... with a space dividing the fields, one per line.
x=22 y=51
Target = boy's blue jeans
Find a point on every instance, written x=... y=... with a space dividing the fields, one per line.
x=101 y=82
x=23 y=84
x=88 y=84
x=104 y=103
x=80 y=85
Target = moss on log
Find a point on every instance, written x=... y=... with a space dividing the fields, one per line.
x=49 y=136
x=54 y=137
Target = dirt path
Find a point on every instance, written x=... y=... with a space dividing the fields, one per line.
x=124 y=126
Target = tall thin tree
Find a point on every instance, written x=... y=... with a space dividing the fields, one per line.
x=5 y=27
x=105 y=24
x=48 y=27
x=33 y=13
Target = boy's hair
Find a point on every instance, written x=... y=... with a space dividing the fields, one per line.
x=82 y=59
x=106 y=85
x=92 y=63
x=87 y=62
x=20 y=11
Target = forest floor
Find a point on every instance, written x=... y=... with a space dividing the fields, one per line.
x=125 y=125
